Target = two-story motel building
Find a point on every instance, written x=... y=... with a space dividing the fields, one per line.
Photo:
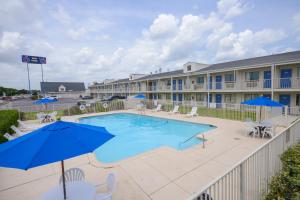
x=276 y=76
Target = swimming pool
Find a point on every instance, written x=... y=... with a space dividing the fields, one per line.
x=136 y=134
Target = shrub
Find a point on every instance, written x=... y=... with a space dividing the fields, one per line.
x=7 y=119
x=3 y=139
x=286 y=184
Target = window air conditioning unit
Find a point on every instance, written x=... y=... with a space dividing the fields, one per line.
x=252 y=84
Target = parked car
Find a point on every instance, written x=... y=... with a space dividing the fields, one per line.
x=114 y=98
x=87 y=97
x=53 y=97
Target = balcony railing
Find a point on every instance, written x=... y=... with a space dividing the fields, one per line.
x=265 y=84
x=257 y=84
x=287 y=83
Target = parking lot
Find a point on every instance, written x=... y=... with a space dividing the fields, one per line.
x=27 y=105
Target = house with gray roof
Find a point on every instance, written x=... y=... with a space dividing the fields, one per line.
x=63 y=89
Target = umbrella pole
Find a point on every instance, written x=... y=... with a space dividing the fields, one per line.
x=260 y=114
x=64 y=179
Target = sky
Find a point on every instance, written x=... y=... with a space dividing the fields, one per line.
x=93 y=40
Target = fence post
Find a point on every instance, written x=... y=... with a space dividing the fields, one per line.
x=242 y=181
x=69 y=110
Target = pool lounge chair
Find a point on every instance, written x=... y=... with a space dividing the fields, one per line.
x=193 y=112
x=175 y=110
x=110 y=185
x=9 y=136
x=158 y=108
x=24 y=126
x=18 y=131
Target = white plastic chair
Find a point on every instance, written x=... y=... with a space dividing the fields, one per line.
x=40 y=117
x=268 y=131
x=175 y=110
x=110 y=184
x=251 y=128
x=193 y=112
x=53 y=116
x=9 y=136
x=18 y=131
x=73 y=174
x=158 y=108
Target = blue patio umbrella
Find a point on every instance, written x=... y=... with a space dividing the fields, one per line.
x=262 y=101
x=140 y=96
x=55 y=142
x=45 y=100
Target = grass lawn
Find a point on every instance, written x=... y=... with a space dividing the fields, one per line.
x=224 y=113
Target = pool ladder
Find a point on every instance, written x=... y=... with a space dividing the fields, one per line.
x=203 y=138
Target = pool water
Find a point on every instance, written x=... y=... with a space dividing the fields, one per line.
x=136 y=134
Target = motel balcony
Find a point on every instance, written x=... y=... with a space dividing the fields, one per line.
x=287 y=83
x=228 y=86
x=159 y=88
x=256 y=85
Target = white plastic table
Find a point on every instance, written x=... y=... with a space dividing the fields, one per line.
x=76 y=190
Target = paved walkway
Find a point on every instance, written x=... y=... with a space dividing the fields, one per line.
x=160 y=174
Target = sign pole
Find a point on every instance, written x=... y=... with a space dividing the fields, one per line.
x=28 y=79
x=42 y=73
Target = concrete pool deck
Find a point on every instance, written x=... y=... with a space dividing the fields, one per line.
x=159 y=174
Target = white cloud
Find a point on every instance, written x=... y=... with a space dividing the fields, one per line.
x=77 y=34
x=61 y=15
x=296 y=24
x=103 y=37
x=10 y=44
x=247 y=43
x=163 y=26
x=296 y=21
x=231 y=8
x=167 y=42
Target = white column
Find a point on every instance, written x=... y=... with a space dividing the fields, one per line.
x=171 y=88
x=272 y=81
x=208 y=88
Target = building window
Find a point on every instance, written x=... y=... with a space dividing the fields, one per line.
x=168 y=96
x=250 y=96
x=200 y=80
x=229 y=77
x=168 y=82
x=189 y=68
x=187 y=97
x=229 y=98
x=298 y=72
x=252 y=76
x=297 y=99
x=200 y=97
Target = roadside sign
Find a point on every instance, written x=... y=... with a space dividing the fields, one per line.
x=33 y=59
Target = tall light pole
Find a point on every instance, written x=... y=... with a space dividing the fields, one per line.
x=42 y=72
x=29 y=88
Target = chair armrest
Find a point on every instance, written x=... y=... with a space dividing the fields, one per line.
x=100 y=185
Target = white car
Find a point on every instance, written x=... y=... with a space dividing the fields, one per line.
x=53 y=97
